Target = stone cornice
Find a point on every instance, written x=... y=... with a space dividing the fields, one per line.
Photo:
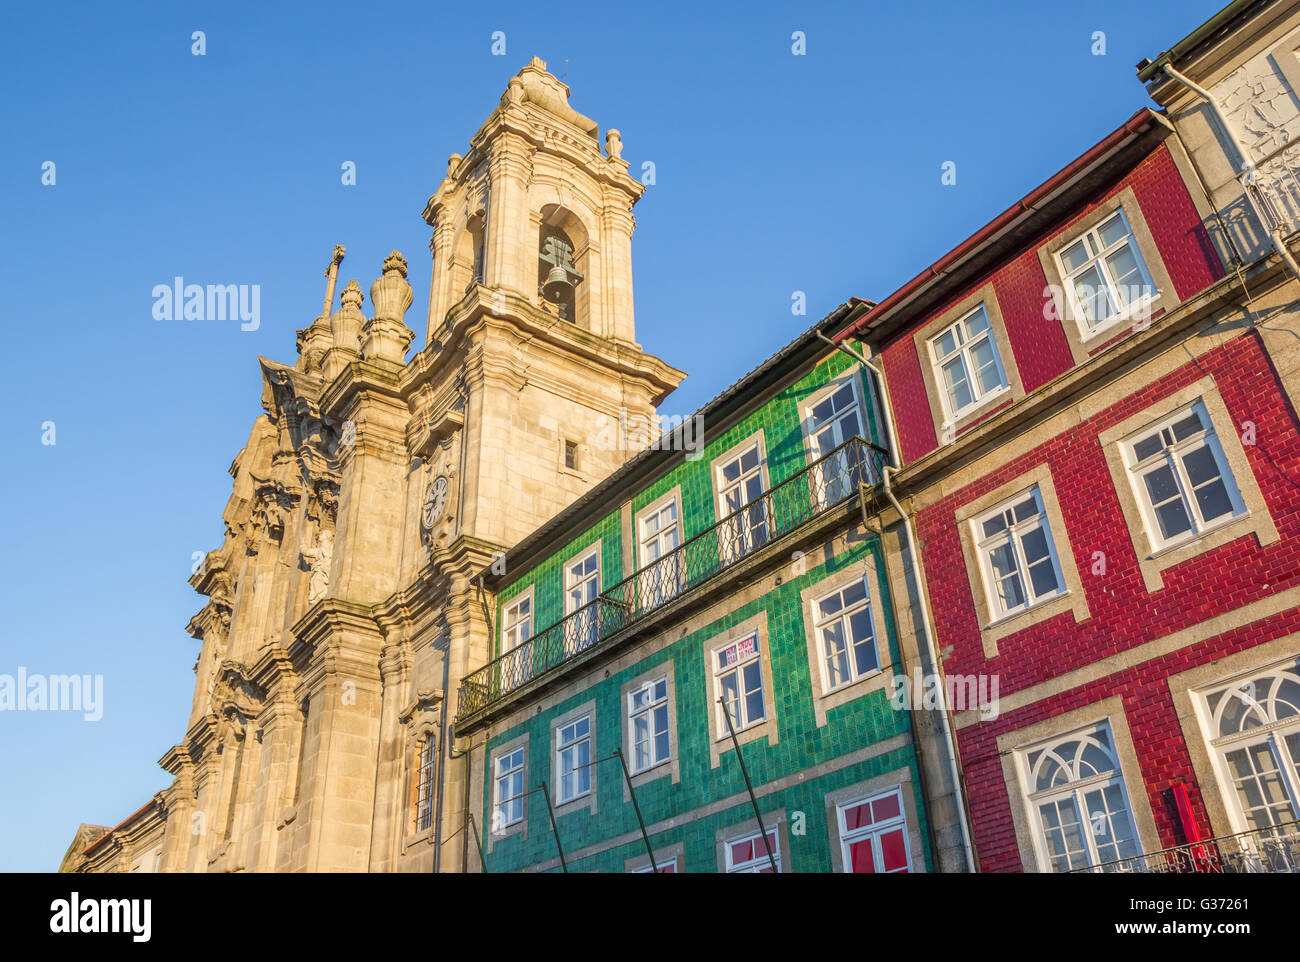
x=482 y=309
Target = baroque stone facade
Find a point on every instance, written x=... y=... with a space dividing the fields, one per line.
x=342 y=608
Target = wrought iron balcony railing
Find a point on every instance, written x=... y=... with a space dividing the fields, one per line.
x=1274 y=849
x=828 y=482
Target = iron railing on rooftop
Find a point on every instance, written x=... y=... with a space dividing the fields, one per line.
x=830 y=481
x=1275 y=849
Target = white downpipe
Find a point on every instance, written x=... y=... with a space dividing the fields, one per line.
x=926 y=623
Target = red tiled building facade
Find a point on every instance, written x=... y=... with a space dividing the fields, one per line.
x=1094 y=407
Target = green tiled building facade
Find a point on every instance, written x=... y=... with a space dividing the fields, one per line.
x=750 y=567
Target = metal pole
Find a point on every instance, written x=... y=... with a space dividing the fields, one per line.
x=637 y=808
x=477 y=842
x=726 y=713
x=554 y=830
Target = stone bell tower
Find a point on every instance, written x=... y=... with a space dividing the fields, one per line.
x=532 y=281
x=343 y=607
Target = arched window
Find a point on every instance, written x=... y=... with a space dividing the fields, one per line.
x=1255 y=731
x=1081 y=809
x=468 y=258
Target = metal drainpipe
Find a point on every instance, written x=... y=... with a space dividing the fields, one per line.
x=1245 y=164
x=949 y=740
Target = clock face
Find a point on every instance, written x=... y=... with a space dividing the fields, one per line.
x=435 y=500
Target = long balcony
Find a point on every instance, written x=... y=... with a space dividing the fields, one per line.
x=823 y=486
x=1274 y=849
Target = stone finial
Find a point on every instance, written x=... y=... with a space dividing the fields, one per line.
x=537 y=62
x=514 y=94
x=452 y=163
x=352 y=296
x=613 y=144
x=394 y=263
x=385 y=335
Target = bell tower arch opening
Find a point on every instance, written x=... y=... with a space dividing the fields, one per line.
x=562 y=263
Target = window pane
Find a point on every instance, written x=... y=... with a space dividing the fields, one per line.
x=1074 y=256
x=1112 y=231
x=861 y=857
x=1034 y=544
x=987 y=374
x=859 y=816
x=1091 y=292
x=1148 y=446
x=977 y=322
x=1043 y=578
x=1201 y=465
x=956 y=383
x=1213 y=500
x=946 y=343
x=1127 y=274
x=893 y=851
x=885 y=808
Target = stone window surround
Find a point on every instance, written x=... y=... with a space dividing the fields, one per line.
x=520 y=827
x=1011 y=745
x=1255 y=520
x=1186 y=690
x=670 y=767
x=1072 y=599
x=934 y=391
x=900 y=779
x=767 y=728
x=579 y=457
x=585 y=802
x=530 y=594
x=850 y=375
x=675 y=853
x=882 y=677
x=732 y=453
x=774 y=821
x=675 y=494
x=1082 y=347
x=417 y=734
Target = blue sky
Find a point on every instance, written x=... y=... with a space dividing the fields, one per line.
x=774 y=173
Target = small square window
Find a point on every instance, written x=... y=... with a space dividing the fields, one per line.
x=1017 y=554
x=1181 y=478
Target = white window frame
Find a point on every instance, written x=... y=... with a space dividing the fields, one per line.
x=582 y=631
x=849 y=837
x=1014 y=533
x=742 y=721
x=759 y=863
x=563 y=768
x=650 y=710
x=1076 y=791
x=1173 y=456
x=835 y=478
x=516 y=628
x=740 y=534
x=843 y=617
x=1269 y=731
x=501 y=774
x=1091 y=239
x=964 y=352
x=659 y=579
